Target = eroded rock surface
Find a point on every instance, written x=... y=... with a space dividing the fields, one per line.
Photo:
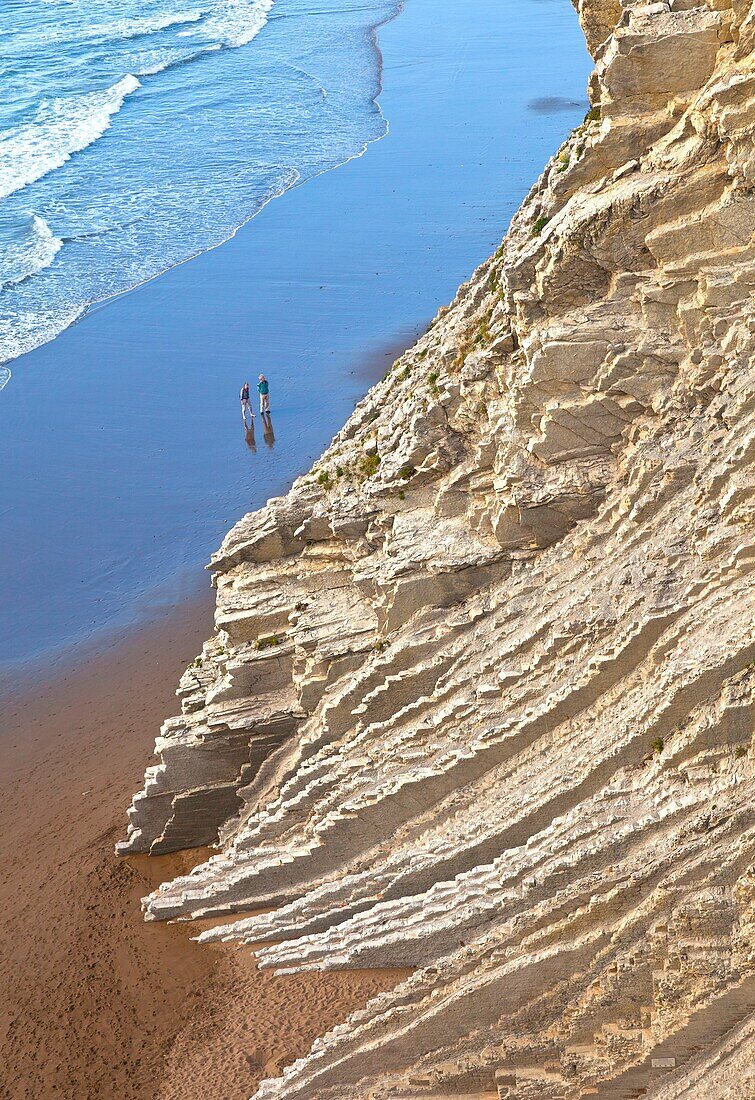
x=480 y=699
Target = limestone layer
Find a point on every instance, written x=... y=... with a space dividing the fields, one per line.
x=480 y=698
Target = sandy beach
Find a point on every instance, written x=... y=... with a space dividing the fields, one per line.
x=95 y=1002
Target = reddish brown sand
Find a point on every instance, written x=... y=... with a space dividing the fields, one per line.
x=93 y=1001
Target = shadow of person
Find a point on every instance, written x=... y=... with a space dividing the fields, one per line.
x=267 y=430
x=251 y=442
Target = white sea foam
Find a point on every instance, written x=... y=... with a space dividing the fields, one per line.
x=233 y=22
x=33 y=252
x=4 y=376
x=135 y=28
x=116 y=29
x=230 y=22
x=151 y=62
x=61 y=128
x=22 y=329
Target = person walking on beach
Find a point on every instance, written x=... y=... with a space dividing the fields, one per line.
x=264 y=391
x=246 y=405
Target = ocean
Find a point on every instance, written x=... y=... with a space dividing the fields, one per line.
x=136 y=134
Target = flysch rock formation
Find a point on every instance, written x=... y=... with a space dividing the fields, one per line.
x=480 y=698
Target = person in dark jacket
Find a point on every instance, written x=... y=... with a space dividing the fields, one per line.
x=246 y=404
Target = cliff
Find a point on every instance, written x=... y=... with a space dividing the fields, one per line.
x=480 y=697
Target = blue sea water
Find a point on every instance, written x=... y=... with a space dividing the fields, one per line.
x=135 y=134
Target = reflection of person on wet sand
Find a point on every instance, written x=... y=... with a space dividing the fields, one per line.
x=251 y=442
x=267 y=429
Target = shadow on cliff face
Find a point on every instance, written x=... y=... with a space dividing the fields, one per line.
x=554 y=105
x=379 y=359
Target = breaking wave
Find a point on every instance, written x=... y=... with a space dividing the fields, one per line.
x=62 y=127
x=32 y=250
x=234 y=23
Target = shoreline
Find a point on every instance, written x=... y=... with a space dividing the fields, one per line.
x=6 y=373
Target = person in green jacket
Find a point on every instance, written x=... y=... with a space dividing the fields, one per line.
x=263 y=389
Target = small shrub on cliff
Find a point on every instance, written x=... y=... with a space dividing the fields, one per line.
x=593 y=115
x=740 y=751
x=432 y=378
x=324 y=478
x=482 y=336
x=370 y=464
x=461 y=355
x=267 y=643
x=539 y=225
x=657 y=745
x=406 y=472
x=563 y=162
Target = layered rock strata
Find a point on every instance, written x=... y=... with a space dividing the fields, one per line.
x=480 y=698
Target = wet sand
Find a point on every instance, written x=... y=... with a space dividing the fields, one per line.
x=94 y=1002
